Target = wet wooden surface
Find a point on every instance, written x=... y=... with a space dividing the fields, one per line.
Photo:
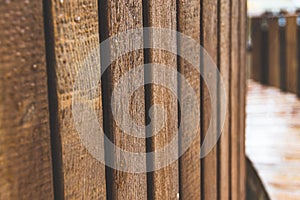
x=210 y=36
x=189 y=162
x=163 y=183
x=49 y=145
x=72 y=33
x=113 y=15
x=273 y=139
x=25 y=149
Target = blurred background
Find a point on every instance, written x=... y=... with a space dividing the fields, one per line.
x=273 y=104
x=257 y=7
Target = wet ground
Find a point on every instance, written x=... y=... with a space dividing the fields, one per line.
x=273 y=139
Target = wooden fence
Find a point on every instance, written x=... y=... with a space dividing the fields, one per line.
x=41 y=46
x=275 y=52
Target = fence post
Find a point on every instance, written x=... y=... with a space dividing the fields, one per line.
x=256 y=49
x=274 y=67
x=291 y=54
x=298 y=53
x=264 y=28
x=282 y=51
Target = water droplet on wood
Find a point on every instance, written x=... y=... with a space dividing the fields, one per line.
x=77 y=19
x=34 y=66
x=20 y=104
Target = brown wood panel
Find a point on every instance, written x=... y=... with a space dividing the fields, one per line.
x=73 y=32
x=242 y=98
x=25 y=153
x=119 y=16
x=274 y=57
x=235 y=106
x=164 y=182
x=190 y=171
x=224 y=63
x=291 y=54
x=210 y=44
x=256 y=48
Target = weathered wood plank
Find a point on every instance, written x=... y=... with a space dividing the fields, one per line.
x=210 y=44
x=164 y=182
x=224 y=63
x=119 y=16
x=242 y=98
x=190 y=168
x=234 y=99
x=73 y=33
x=256 y=48
x=264 y=44
x=282 y=52
x=291 y=54
x=298 y=53
x=274 y=57
x=25 y=153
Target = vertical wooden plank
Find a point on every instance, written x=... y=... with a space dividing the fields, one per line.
x=282 y=51
x=264 y=49
x=25 y=153
x=190 y=171
x=234 y=98
x=242 y=98
x=224 y=63
x=298 y=52
x=164 y=182
x=256 y=51
x=274 y=57
x=119 y=16
x=73 y=33
x=291 y=54
x=210 y=44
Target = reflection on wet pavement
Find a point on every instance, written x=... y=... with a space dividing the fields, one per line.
x=273 y=139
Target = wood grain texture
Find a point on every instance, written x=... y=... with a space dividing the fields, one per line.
x=274 y=57
x=190 y=168
x=25 y=153
x=235 y=106
x=73 y=34
x=256 y=48
x=282 y=54
x=242 y=98
x=298 y=56
x=210 y=44
x=122 y=16
x=224 y=63
x=264 y=43
x=164 y=182
x=291 y=54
